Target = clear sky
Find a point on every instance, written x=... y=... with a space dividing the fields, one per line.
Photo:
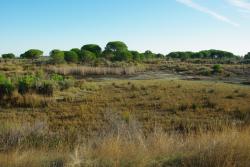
x=157 y=25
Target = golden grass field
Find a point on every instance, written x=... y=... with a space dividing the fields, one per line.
x=128 y=123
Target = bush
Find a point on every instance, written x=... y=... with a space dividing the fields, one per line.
x=61 y=81
x=205 y=72
x=57 y=57
x=8 y=56
x=87 y=56
x=217 y=68
x=123 y=56
x=56 y=77
x=247 y=56
x=76 y=50
x=6 y=87
x=32 y=54
x=46 y=88
x=97 y=50
x=136 y=55
x=109 y=55
x=116 y=46
x=71 y=57
x=26 y=83
x=66 y=84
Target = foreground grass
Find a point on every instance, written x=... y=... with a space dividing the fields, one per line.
x=129 y=147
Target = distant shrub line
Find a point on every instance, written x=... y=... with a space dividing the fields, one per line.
x=118 y=51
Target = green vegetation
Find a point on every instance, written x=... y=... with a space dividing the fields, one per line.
x=97 y=50
x=217 y=68
x=117 y=51
x=8 y=56
x=57 y=56
x=247 y=56
x=206 y=54
x=32 y=54
x=116 y=107
x=6 y=87
x=71 y=56
x=87 y=56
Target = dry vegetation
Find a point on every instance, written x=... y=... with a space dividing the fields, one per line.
x=121 y=123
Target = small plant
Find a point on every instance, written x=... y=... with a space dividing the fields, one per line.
x=6 y=87
x=217 y=68
x=126 y=116
x=57 y=77
x=183 y=107
x=26 y=83
x=66 y=84
x=205 y=72
x=46 y=88
x=194 y=107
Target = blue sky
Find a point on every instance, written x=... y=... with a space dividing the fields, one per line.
x=158 y=25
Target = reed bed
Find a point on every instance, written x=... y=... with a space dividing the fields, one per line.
x=85 y=70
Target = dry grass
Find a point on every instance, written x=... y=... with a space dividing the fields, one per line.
x=173 y=105
x=226 y=149
x=92 y=124
x=128 y=146
x=84 y=70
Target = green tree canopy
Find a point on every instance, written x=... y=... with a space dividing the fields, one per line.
x=148 y=54
x=116 y=46
x=77 y=51
x=109 y=55
x=247 y=56
x=159 y=55
x=87 y=56
x=205 y=54
x=136 y=55
x=57 y=56
x=32 y=54
x=71 y=57
x=8 y=56
x=96 y=49
x=123 y=55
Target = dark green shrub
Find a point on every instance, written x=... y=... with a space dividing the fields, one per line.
x=87 y=56
x=71 y=57
x=6 y=87
x=107 y=54
x=8 y=56
x=26 y=84
x=136 y=55
x=247 y=56
x=76 y=50
x=66 y=84
x=57 y=57
x=97 y=50
x=46 y=88
x=148 y=54
x=56 y=77
x=32 y=54
x=123 y=55
x=116 y=46
x=217 y=68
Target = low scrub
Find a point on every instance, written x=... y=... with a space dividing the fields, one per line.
x=6 y=87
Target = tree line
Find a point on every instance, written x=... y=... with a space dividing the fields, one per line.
x=118 y=51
